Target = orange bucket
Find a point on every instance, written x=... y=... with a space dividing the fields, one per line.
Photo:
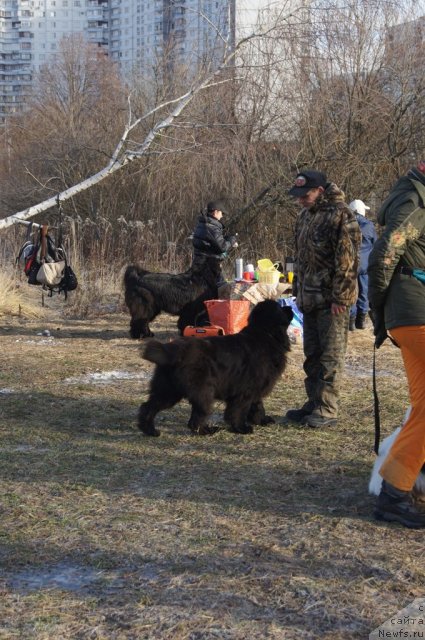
x=232 y=315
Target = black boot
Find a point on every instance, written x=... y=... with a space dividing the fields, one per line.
x=360 y=320
x=352 y=323
x=395 y=505
x=298 y=415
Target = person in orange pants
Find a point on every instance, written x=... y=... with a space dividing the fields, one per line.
x=407 y=455
x=396 y=273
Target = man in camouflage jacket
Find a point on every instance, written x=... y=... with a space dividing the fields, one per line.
x=327 y=243
x=397 y=298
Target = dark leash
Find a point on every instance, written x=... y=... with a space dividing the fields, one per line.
x=376 y=406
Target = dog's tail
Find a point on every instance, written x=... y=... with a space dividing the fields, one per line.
x=161 y=353
x=132 y=275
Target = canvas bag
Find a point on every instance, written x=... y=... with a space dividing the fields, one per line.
x=51 y=273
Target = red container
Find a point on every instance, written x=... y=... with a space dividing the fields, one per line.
x=231 y=315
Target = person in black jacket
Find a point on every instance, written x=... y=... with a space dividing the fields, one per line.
x=209 y=237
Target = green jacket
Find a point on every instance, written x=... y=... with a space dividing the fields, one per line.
x=398 y=299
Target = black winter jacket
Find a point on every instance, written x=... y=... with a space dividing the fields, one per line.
x=209 y=239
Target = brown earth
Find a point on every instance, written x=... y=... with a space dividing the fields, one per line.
x=109 y=534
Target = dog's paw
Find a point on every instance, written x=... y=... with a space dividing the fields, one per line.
x=151 y=431
x=244 y=429
x=205 y=430
x=155 y=433
x=267 y=420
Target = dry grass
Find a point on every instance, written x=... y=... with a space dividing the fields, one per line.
x=107 y=534
x=14 y=300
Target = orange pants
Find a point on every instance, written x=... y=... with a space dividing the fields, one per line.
x=407 y=455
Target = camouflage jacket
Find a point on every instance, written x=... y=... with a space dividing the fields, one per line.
x=327 y=243
x=401 y=298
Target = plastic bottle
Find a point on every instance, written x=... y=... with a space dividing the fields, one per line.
x=238 y=269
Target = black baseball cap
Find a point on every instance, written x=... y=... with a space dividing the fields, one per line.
x=307 y=180
x=217 y=205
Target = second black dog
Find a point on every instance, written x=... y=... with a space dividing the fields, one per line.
x=239 y=369
x=148 y=293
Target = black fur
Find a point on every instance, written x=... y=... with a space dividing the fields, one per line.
x=239 y=369
x=148 y=293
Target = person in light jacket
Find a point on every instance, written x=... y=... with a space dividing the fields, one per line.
x=360 y=309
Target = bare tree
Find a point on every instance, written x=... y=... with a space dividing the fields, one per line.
x=129 y=146
x=359 y=98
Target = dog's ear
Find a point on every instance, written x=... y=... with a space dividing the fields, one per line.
x=269 y=313
x=288 y=314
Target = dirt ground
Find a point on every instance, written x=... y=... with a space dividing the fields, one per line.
x=107 y=534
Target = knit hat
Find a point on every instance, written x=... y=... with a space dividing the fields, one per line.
x=307 y=180
x=358 y=206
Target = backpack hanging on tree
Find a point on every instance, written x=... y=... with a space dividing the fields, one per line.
x=52 y=261
x=46 y=264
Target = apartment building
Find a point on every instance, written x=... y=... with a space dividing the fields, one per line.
x=142 y=32
x=136 y=34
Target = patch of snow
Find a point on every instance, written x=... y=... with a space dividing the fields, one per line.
x=61 y=576
x=105 y=377
x=363 y=372
x=6 y=391
x=46 y=341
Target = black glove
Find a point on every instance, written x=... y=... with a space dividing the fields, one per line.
x=379 y=330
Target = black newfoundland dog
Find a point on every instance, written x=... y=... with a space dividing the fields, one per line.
x=239 y=369
x=148 y=293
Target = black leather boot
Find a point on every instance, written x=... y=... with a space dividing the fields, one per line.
x=352 y=323
x=360 y=321
x=395 y=505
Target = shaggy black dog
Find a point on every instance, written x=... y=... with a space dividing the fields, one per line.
x=240 y=369
x=147 y=294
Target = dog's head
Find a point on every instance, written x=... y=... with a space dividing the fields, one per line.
x=268 y=315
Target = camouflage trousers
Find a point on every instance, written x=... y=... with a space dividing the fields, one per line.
x=325 y=343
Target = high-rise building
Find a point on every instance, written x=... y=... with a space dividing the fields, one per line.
x=143 y=32
x=136 y=34
x=30 y=33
